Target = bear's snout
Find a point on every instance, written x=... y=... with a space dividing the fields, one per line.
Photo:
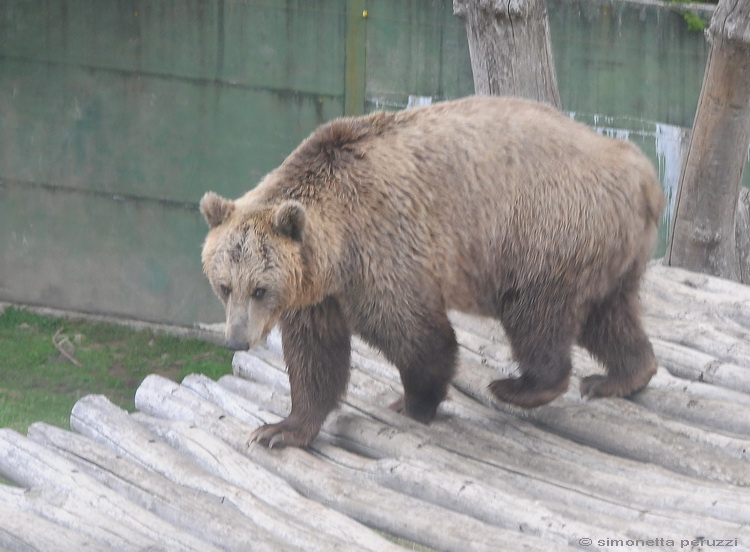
x=234 y=344
x=236 y=337
x=246 y=332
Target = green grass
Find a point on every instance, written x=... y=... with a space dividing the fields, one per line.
x=38 y=382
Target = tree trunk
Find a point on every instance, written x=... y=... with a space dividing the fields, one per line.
x=510 y=48
x=705 y=228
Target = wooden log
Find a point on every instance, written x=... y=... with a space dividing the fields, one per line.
x=728 y=345
x=221 y=507
x=724 y=417
x=685 y=362
x=333 y=485
x=515 y=463
x=702 y=354
x=237 y=406
x=678 y=451
x=552 y=468
x=715 y=337
x=218 y=458
x=669 y=405
x=690 y=292
x=689 y=368
x=722 y=409
x=506 y=460
x=111 y=518
x=611 y=429
x=712 y=414
x=668 y=383
x=214 y=518
x=24 y=530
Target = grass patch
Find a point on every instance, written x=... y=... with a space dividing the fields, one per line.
x=47 y=364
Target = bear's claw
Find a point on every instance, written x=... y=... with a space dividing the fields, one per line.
x=282 y=434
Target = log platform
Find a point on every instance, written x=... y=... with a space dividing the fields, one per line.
x=668 y=469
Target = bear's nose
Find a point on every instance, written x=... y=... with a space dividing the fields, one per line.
x=237 y=345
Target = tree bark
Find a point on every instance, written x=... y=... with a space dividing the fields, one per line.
x=510 y=48
x=705 y=227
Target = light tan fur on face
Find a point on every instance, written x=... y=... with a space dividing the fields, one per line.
x=246 y=251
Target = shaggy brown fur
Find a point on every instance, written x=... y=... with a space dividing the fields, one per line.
x=379 y=224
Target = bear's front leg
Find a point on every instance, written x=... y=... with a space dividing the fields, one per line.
x=317 y=351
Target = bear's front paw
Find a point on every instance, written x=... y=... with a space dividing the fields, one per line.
x=284 y=434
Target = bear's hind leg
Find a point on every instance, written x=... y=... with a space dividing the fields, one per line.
x=541 y=339
x=426 y=360
x=613 y=334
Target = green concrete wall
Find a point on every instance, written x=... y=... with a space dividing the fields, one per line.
x=116 y=116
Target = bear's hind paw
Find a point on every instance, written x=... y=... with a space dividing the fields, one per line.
x=420 y=411
x=521 y=392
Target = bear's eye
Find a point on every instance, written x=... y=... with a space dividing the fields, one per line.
x=225 y=291
x=259 y=293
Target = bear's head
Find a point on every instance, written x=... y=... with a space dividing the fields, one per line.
x=253 y=258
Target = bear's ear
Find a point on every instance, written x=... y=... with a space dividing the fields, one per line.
x=289 y=219
x=215 y=209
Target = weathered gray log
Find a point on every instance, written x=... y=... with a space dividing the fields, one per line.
x=26 y=526
x=111 y=518
x=731 y=348
x=517 y=511
x=612 y=426
x=27 y=529
x=711 y=414
x=722 y=415
x=214 y=518
x=214 y=505
x=446 y=487
x=332 y=484
x=668 y=383
x=726 y=409
x=237 y=406
x=704 y=406
x=674 y=293
x=693 y=365
x=542 y=471
x=218 y=458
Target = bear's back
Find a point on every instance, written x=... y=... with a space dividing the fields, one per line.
x=475 y=186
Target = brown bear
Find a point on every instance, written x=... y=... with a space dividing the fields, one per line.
x=377 y=225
